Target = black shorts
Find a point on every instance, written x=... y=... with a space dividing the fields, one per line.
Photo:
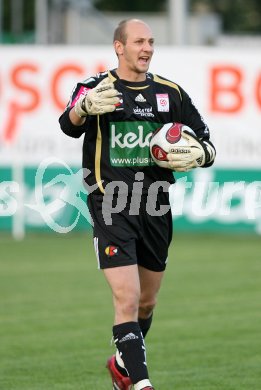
x=122 y=238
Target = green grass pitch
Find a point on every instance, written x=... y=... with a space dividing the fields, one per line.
x=56 y=315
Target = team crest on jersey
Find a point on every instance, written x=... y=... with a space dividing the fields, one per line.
x=162 y=102
x=111 y=250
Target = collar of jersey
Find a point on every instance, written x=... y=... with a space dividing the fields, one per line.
x=129 y=84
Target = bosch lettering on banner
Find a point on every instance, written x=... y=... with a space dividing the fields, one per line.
x=82 y=92
x=162 y=102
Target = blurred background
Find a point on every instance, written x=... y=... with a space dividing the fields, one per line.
x=55 y=312
x=211 y=48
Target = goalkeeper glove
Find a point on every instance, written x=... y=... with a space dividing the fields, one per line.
x=99 y=100
x=197 y=154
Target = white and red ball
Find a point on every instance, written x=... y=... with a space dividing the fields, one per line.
x=167 y=139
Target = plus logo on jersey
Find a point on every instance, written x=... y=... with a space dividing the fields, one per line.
x=111 y=250
x=162 y=102
x=130 y=143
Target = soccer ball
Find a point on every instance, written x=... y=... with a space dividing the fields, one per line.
x=168 y=139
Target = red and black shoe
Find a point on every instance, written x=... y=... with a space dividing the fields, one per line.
x=119 y=381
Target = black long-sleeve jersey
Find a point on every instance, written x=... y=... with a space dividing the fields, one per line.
x=116 y=145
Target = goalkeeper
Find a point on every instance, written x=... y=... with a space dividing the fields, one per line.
x=117 y=111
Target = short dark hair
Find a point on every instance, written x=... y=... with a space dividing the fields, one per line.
x=120 y=32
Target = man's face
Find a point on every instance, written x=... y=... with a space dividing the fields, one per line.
x=139 y=48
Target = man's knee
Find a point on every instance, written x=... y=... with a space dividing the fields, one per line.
x=129 y=307
x=146 y=308
x=127 y=304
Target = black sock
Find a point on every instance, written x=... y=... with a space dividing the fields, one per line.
x=145 y=324
x=130 y=343
x=122 y=370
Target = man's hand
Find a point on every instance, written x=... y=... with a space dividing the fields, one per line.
x=196 y=154
x=99 y=100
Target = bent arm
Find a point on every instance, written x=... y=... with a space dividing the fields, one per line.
x=71 y=124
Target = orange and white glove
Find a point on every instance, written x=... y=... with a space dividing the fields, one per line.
x=99 y=100
x=197 y=153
